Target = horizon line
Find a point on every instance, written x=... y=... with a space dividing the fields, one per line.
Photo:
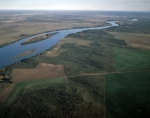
x=66 y=10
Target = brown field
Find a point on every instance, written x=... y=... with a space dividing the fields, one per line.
x=5 y=90
x=41 y=71
x=1 y=77
x=140 y=41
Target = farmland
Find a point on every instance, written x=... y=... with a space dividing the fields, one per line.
x=127 y=94
x=91 y=74
x=131 y=59
x=77 y=67
x=135 y=40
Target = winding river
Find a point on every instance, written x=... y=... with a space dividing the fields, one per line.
x=8 y=52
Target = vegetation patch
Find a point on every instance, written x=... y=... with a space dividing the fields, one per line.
x=127 y=95
x=24 y=87
x=140 y=26
x=126 y=59
x=94 y=84
x=73 y=99
x=23 y=77
x=139 y=41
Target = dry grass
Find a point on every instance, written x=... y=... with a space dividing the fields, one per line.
x=140 y=41
x=42 y=71
x=29 y=23
x=57 y=50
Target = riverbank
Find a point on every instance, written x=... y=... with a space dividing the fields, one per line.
x=14 y=24
x=46 y=43
x=29 y=35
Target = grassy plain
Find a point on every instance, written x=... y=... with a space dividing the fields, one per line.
x=135 y=40
x=127 y=90
x=16 y=24
x=126 y=59
x=127 y=95
x=139 y=27
x=24 y=87
x=74 y=99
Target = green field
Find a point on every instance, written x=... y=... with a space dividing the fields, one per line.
x=25 y=87
x=128 y=95
x=131 y=59
x=74 y=99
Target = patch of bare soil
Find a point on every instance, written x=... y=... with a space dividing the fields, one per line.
x=5 y=90
x=139 y=41
x=41 y=71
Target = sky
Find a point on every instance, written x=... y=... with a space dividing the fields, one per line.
x=113 y=5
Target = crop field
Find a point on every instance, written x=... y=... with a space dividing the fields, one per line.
x=74 y=99
x=131 y=59
x=139 y=41
x=25 y=86
x=127 y=89
x=26 y=78
x=127 y=95
x=5 y=90
x=42 y=70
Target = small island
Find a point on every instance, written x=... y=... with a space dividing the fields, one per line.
x=38 y=38
x=24 y=53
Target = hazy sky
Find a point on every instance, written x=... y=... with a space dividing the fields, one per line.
x=121 y=5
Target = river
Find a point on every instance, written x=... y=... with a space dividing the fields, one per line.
x=7 y=53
